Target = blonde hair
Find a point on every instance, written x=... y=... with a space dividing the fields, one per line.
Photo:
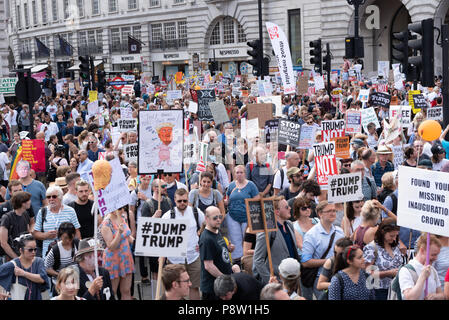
x=369 y=211
x=63 y=275
x=388 y=181
x=422 y=241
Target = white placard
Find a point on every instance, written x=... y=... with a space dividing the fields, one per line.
x=345 y=187
x=398 y=156
x=252 y=128
x=131 y=152
x=368 y=116
x=162 y=237
x=423 y=200
x=126 y=125
x=435 y=113
x=193 y=107
x=92 y=108
x=126 y=113
x=363 y=95
x=319 y=82
x=277 y=100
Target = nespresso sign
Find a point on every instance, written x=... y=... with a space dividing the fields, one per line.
x=228 y=53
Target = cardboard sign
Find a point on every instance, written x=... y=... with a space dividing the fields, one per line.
x=302 y=85
x=116 y=194
x=289 y=133
x=435 y=113
x=162 y=237
x=344 y=188
x=126 y=125
x=131 y=152
x=260 y=213
x=262 y=111
x=423 y=200
x=307 y=136
x=398 y=156
x=33 y=151
x=219 y=112
x=332 y=128
x=341 y=147
x=368 y=116
x=380 y=99
x=405 y=116
x=353 y=121
x=325 y=161
x=204 y=98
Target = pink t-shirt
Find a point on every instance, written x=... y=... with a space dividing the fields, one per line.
x=446 y=279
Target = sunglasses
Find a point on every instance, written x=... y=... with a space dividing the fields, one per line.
x=31 y=249
x=220 y=216
x=305 y=208
x=52 y=196
x=182 y=201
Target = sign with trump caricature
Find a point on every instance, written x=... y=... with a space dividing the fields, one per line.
x=160 y=141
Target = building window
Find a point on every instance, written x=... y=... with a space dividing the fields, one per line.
x=112 y=6
x=95 y=7
x=54 y=9
x=228 y=30
x=215 y=36
x=115 y=36
x=179 y=1
x=155 y=3
x=182 y=29
x=136 y=32
x=65 y=6
x=241 y=33
x=132 y=4
x=33 y=7
x=82 y=39
x=19 y=18
x=80 y=5
x=25 y=12
x=169 y=31
x=294 y=36
x=99 y=34
x=44 y=11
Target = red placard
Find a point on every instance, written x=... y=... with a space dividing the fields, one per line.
x=325 y=161
x=33 y=151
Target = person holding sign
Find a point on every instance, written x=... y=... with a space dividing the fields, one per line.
x=214 y=253
x=117 y=256
x=412 y=278
x=283 y=243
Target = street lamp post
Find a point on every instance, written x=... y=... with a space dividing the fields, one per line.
x=357 y=41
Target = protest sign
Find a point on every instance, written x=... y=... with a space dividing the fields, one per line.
x=281 y=48
x=193 y=107
x=419 y=102
x=398 y=156
x=131 y=152
x=219 y=112
x=325 y=161
x=160 y=141
x=271 y=130
x=126 y=113
x=383 y=68
x=368 y=116
x=344 y=188
x=92 y=108
x=162 y=237
x=204 y=98
x=127 y=89
x=263 y=111
x=302 y=84
x=405 y=116
x=268 y=88
x=276 y=100
x=33 y=151
x=289 y=133
x=93 y=95
x=116 y=194
x=307 y=136
x=353 y=121
x=252 y=128
x=332 y=128
x=190 y=151
x=341 y=147
x=380 y=99
x=435 y=113
x=363 y=95
x=126 y=125
x=256 y=212
x=174 y=94
x=319 y=82
x=423 y=200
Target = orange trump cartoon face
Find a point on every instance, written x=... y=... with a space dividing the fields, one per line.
x=165 y=133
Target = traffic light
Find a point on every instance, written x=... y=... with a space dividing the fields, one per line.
x=327 y=59
x=213 y=66
x=423 y=60
x=256 y=54
x=400 y=44
x=265 y=66
x=316 y=56
x=84 y=67
x=101 y=77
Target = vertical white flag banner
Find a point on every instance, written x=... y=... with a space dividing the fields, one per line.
x=281 y=48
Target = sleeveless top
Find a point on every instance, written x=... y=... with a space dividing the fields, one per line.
x=359 y=236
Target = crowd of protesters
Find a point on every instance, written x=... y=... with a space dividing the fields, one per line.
x=321 y=250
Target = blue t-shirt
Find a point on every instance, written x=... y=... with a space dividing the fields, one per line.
x=37 y=191
x=237 y=207
x=445 y=145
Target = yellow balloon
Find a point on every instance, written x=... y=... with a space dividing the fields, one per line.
x=429 y=130
x=102 y=171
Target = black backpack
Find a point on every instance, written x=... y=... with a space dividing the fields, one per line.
x=57 y=253
x=39 y=243
x=195 y=213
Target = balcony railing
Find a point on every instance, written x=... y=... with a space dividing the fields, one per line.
x=62 y=53
x=119 y=47
x=37 y=54
x=26 y=55
x=172 y=44
x=92 y=49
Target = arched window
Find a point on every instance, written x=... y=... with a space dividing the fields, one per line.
x=227 y=30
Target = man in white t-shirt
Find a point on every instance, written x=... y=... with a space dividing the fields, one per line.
x=292 y=159
x=52 y=108
x=5 y=165
x=413 y=283
x=11 y=117
x=49 y=127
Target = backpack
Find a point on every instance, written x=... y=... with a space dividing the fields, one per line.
x=39 y=243
x=137 y=86
x=394 y=199
x=51 y=175
x=57 y=253
x=196 y=195
x=195 y=214
x=12 y=243
x=394 y=291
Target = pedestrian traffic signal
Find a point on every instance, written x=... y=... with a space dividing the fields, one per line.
x=256 y=54
x=423 y=56
x=400 y=52
x=84 y=67
x=101 y=77
x=327 y=59
x=316 y=56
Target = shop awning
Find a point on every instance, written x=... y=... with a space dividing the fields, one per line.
x=39 y=68
x=76 y=67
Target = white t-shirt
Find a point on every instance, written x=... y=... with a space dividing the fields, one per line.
x=75 y=114
x=4 y=160
x=52 y=129
x=52 y=109
x=427 y=149
x=372 y=142
x=12 y=120
x=438 y=166
x=406 y=279
x=277 y=179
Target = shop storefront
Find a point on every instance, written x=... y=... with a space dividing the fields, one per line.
x=231 y=60
x=127 y=62
x=168 y=64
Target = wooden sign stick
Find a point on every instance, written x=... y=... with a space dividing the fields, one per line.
x=270 y=262
x=159 y=277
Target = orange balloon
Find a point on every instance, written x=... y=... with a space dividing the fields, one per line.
x=102 y=171
x=429 y=130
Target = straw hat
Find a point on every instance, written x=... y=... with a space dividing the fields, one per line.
x=60 y=182
x=383 y=149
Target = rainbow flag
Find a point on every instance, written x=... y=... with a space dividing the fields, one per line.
x=13 y=174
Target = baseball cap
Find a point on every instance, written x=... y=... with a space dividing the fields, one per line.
x=437 y=149
x=289 y=268
x=292 y=171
